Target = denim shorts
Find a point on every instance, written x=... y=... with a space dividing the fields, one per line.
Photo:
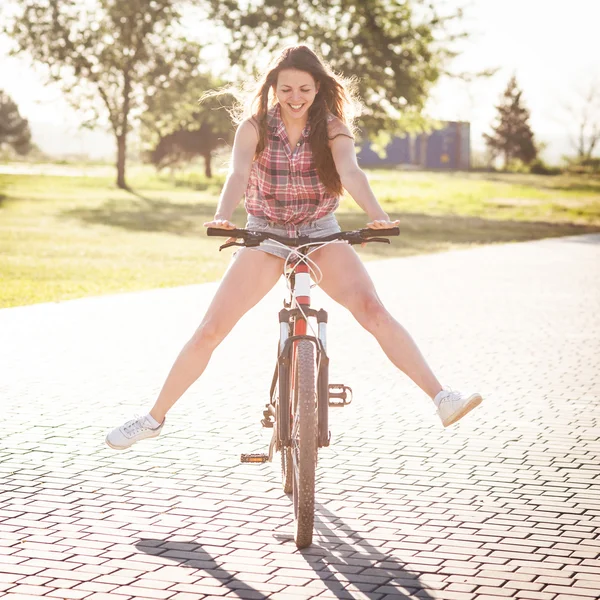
x=319 y=228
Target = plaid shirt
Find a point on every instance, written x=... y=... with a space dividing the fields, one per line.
x=284 y=186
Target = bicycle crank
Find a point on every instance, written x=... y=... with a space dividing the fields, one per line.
x=260 y=458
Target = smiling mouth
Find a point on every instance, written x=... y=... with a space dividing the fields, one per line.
x=295 y=106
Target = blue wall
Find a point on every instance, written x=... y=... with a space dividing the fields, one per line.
x=446 y=148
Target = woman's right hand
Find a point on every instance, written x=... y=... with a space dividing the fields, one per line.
x=220 y=223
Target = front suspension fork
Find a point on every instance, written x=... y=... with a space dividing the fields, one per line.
x=284 y=373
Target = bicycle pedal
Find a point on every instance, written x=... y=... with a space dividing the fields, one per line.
x=338 y=395
x=268 y=421
x=254 y=458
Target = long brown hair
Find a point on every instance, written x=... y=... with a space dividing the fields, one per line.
x=335 y=97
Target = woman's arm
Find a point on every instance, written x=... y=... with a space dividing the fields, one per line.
x=244 y=146
x=353 y=178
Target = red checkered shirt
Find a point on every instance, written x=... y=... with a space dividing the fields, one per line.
x=284 y=186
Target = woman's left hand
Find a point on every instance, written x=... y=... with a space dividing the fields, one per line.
x=382 y=224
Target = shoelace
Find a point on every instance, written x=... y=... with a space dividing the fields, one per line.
x=451 y=396
x=454 y=396
x=134 y=426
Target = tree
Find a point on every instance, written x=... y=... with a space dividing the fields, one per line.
x=14 y=129
x=584 y=114
x=395 y=50
x=179 y=127
x=106 y=50
x=512 y=136
x=184 y=145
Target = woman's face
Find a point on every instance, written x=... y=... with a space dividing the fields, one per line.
x=295 y=91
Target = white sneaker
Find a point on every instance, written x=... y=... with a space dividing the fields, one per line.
x=131 y=432
x=453 y=405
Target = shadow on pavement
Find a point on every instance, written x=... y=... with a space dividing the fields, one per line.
x=352 y=552
x=341 y=562
x=191 y=554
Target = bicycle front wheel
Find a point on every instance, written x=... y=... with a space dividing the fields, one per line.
x=304 y=443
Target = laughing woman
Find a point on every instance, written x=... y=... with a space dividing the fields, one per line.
x=292 y=159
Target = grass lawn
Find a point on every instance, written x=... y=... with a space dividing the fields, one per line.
x=68 y=236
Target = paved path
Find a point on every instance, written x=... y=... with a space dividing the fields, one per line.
x=504 y=505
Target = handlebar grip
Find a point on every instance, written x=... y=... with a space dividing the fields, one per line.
x=368 y=233
x=218 y=232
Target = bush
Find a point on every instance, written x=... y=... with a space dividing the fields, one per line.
x=584 y=166
x=593 y=164
x=539 y=167
x=516 y=165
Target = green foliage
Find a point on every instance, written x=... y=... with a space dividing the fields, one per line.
x=177 y=107
x=512 y=136
x=14 y=129
x=71 y=236
x=106 y=50
x=395 y=50
x=584 y=166
x=178 y=127
x=539 y=167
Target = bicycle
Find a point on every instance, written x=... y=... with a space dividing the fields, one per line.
x=300 y=394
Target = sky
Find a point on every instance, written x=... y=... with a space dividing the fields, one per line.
x=552 y=47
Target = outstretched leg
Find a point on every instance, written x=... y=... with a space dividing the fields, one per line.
x=249 y=277
x=346 y=281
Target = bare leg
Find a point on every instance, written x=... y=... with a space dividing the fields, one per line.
x=346 y=280
x=249 y=277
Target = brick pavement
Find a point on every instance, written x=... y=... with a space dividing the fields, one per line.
x=504 y=505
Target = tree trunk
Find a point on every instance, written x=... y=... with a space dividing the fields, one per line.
x=121 y=150
x=594 y=138
x=207 y=165
x=122 y=130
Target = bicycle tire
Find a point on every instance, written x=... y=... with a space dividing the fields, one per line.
x=304 y=444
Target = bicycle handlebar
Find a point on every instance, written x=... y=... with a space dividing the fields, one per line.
x=254 y=238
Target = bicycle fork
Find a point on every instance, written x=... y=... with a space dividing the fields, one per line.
x=278 y=411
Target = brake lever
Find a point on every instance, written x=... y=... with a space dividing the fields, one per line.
x=229 y=244
x=363 y=241
x=246 y=244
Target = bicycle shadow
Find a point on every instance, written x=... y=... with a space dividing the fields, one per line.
x=348 y=568
x=193 y=555
x=376 y=569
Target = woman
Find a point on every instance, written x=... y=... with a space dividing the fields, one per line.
x=292 y=159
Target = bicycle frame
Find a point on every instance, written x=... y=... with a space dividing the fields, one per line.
x=294 y=327
x=293 y=321
x=300 y=393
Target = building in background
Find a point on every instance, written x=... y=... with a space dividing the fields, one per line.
x=445 y=148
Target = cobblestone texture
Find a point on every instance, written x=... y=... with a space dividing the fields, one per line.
x=506 y=504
